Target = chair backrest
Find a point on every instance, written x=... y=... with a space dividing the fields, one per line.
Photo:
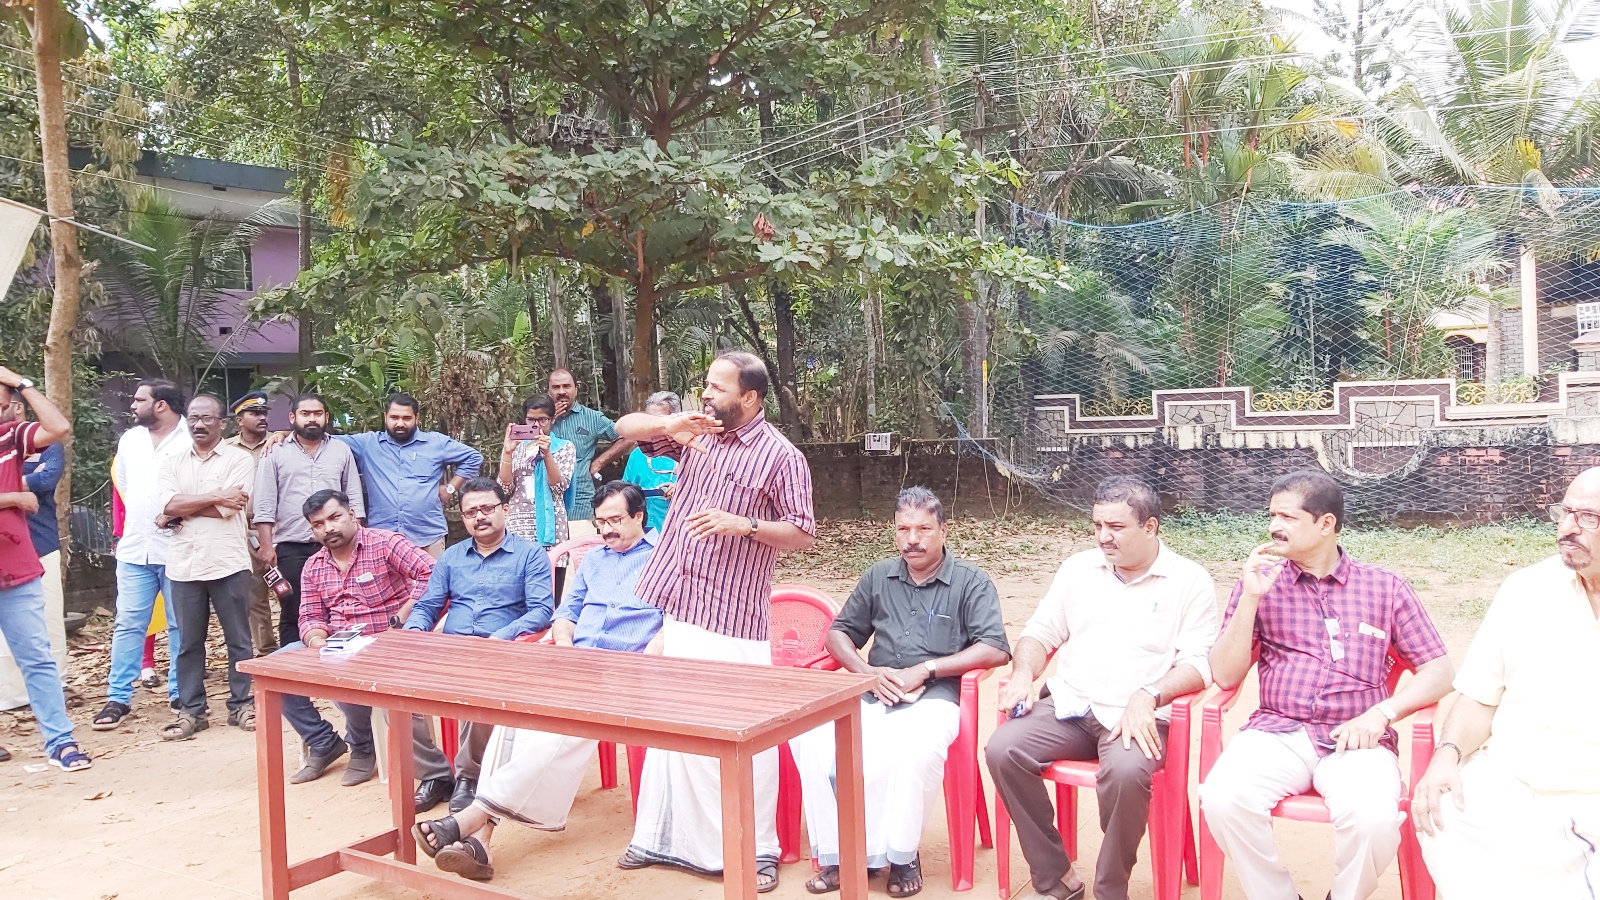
x=799 y=619
x=564 y=560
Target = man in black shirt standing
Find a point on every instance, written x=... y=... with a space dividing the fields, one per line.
x=931 y=618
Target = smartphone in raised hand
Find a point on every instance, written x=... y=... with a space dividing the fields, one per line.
x=526 y=432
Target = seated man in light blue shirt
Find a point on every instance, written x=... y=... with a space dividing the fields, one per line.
x=496 y=585
x=533 y=776
x=403 y=470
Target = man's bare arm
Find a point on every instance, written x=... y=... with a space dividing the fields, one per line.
x=1028 y=659
x=562 y=629
x=1427 y=686
x=1463 y=730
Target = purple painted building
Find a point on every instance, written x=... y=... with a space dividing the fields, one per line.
x=245 y=352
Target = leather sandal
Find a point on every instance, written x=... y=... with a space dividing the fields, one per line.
x=445 y=831
x=826 y=881
x=468 y=858
x=185 y=728
x=906 y=880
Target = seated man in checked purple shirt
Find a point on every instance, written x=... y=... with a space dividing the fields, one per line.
x=1324 y=624
x=532 y=776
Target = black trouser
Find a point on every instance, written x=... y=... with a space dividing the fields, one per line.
x=292 y=556
x=193 y=602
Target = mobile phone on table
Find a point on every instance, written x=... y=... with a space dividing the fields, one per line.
x=526 y=432
x=339 y=637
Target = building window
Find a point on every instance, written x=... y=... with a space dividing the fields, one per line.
x=234 y=273
x=230 y=384
x=1470 y=357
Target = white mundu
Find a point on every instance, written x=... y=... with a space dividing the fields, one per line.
x=1531 y=826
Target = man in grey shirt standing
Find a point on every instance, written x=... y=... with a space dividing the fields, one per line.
x=303 y=464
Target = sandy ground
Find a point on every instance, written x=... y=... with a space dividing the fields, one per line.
x=159 y=820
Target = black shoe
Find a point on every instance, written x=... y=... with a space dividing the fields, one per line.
x=431 y=793
x=466 y=789
x=318 y=763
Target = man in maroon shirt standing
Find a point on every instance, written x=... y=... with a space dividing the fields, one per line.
x=22 y=621
x=743 y=495
x=1324 y=624
x=361 y=578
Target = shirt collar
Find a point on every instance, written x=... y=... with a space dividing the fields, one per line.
x=945 y=572
x=417 y=437
x=509 y=545
x=651 y=536
x=749 y=431
x=194 y=450
x=1161 y=567
x=1340 y=573
x=238 y=441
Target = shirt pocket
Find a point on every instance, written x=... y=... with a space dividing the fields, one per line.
x=944 y=635
x=746 y=499
x=1366 y=659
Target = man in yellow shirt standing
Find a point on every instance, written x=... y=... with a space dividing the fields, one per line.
x=1510 y=806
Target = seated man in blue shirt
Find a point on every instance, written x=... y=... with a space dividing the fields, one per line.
x=532 y=776
x=497 y=585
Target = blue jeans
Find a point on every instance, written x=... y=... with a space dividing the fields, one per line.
x=315 y=730
x=23 y=625
x=137 y=587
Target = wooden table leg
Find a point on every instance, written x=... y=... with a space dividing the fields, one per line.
x=852 y=806
x=269 y=794
x=402 y=789
x=738 y=824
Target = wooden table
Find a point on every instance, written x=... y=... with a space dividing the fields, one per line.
x=726 y=710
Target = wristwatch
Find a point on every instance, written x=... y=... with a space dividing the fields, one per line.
x=1388 y=711
x=24 y=384
x=450 y=489
x=933 y=670
x=1153 y=691
x=754 y=524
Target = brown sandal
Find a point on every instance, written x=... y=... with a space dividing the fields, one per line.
x=185 y=728
x=825 y=882
x=468 y=858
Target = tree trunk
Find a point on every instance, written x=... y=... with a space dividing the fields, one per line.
x=788 y=381
x=644 y=379
x=558 y=321
x=306 y=324
x=930 y=67
x=974 y=323
x=608 y=364
x=48 y=19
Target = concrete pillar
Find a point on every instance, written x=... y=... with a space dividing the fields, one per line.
x=1530 y=312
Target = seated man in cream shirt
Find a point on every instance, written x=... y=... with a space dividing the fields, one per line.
x=1510 y=806
x=1133 y=622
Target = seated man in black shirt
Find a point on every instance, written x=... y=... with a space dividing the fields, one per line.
x=931 y=618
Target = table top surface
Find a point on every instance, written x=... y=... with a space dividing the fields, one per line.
x=716 y=700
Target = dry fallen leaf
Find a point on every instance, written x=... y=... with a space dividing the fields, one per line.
x=98 y=795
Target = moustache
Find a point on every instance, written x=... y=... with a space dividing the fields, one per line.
x=1574 y=542
x=1279 y=536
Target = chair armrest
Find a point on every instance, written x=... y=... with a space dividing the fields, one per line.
x=1211 y=713
x=822 y=662
x=1422 y=739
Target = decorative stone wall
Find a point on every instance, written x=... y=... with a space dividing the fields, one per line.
x=1405 y=451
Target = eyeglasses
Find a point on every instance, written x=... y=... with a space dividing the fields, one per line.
x=480 y=512
x=613 y=522
x=205 y=420
x=1587 y=520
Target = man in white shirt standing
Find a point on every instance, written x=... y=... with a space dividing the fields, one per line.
x=159 y=432
x=1133 y=622
x=1510 y=806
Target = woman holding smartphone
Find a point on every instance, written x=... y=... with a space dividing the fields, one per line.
x=536 y=470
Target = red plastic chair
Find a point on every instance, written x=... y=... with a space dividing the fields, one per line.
x=798 y=621
x=1172 y=852
x=1415 y=882
x=966 y=809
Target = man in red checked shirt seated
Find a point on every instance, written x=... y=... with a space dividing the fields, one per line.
x=1325 y=624
x=361 y=577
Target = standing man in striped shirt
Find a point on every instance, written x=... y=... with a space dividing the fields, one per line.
x=744 y=495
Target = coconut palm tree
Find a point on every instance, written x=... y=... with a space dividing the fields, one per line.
x=165 y=297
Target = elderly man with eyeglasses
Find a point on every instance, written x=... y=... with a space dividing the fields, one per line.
x=496 y=585
x=1510 y=805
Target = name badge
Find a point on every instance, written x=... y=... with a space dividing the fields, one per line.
x=364 y=577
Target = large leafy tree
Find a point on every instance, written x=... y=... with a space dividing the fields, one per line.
x=653 y=210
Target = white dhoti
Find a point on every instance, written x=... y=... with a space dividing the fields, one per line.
x=1513 y=841
x=680 y=795
x=13 y=693
x=533 y=776
x=902 y=757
